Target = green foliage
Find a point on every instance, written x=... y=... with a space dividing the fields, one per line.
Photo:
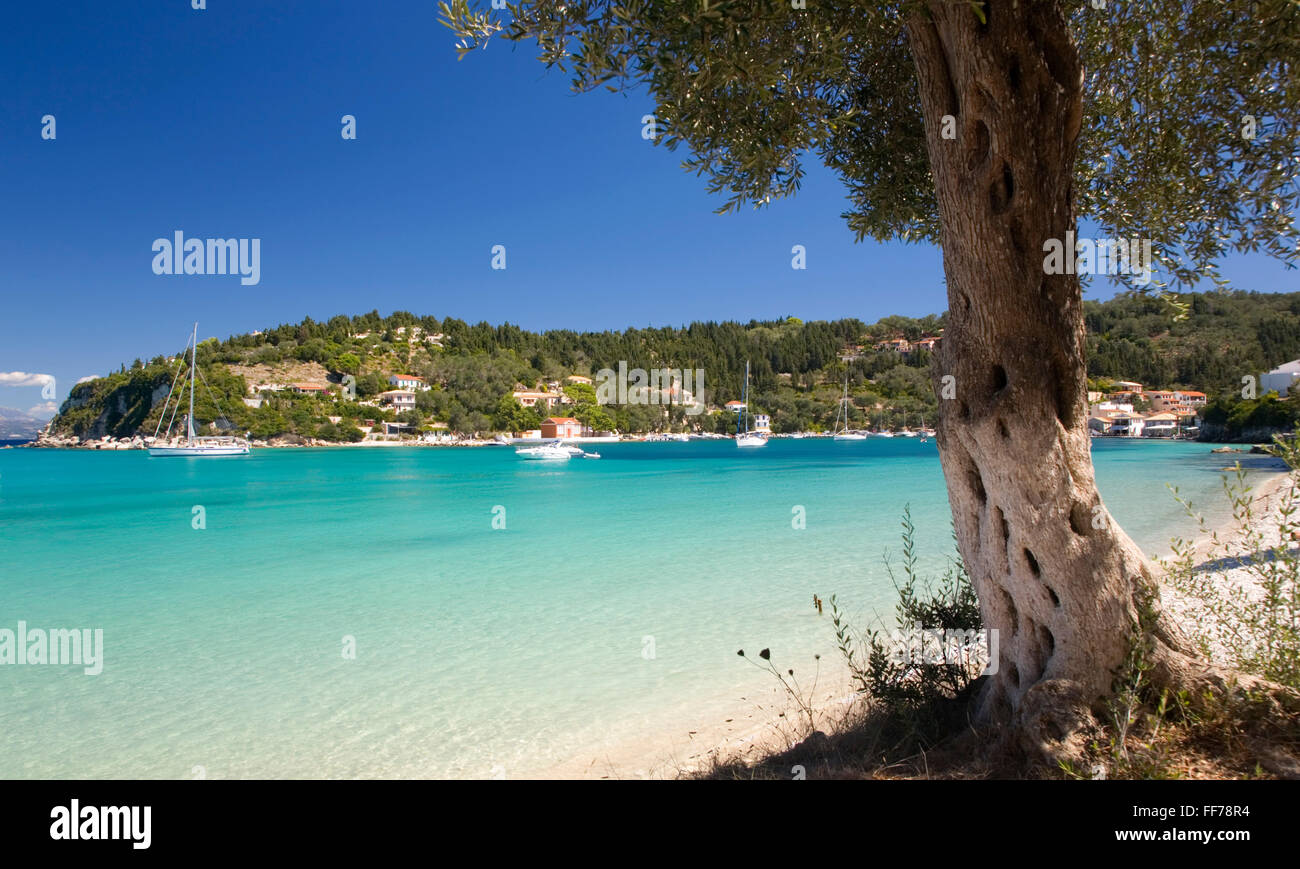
x=346 y=363
x=796 y=368
x=1238 y=415
x=947 y=604
x=581 y=393
x=1224 y=336
x=1253 y=622
x=1287 y=449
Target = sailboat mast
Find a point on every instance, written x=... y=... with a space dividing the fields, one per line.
x=194 y=361
x=744 y=401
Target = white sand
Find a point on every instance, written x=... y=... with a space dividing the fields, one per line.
x=762 y=725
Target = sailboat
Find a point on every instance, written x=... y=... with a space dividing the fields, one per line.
x=844 y=434
x=191 y=444
x=745 y=437
x=881 y=431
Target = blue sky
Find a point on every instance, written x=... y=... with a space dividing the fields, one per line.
x=226 y=123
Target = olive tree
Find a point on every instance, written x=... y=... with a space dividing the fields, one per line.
x=989 y=129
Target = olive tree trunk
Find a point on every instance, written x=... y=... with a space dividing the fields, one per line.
x=1056 y=577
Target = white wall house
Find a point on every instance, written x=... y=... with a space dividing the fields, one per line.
x=1122 y=424
x=1160 y=425
x=531 y=398
x=1280 y=379
x=407 y=381
x=398 y=399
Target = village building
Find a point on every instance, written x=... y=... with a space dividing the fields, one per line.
x=532 y=398
x=408 y=382
x=1280 y=379
x=398 y=399
x=561 y=427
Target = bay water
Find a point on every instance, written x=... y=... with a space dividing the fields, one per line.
x=445 y=612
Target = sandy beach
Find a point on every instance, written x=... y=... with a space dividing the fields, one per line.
x=769 y=721
x=1221 y=559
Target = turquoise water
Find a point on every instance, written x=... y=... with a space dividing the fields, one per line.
x=480 y=652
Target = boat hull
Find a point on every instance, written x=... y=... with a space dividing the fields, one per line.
x=544 y=454
x=201 y=452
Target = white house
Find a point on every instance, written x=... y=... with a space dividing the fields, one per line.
x=1104 y=408
x=530 y=398
x=398 y=399
x=407 y=381
x=1160 y=425
x=1121 y=423
x=762 y=422
x=1280 y=379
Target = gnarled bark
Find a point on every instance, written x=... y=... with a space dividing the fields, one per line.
x=1058 y=579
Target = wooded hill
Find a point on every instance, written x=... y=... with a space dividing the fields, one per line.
x=1204 y=341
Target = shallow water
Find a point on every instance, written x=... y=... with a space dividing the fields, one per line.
x=610 y=606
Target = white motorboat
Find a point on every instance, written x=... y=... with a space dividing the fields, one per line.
x=552 y=452
x=191 y=444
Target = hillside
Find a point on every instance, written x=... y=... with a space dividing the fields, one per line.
x=16 y=424
x=1195 y=341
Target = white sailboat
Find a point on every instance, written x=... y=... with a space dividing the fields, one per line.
x=881 y=431
x=844 y=434
x=745 y=437
x=191 y=444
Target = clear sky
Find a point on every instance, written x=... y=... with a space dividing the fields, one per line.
x=225 y=123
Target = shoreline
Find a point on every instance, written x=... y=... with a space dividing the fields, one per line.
x=759 y=726
x=1223 y=563
x=107 y=443
x=760 y=719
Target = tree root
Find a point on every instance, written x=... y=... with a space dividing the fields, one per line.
x=1056 y=724
x=1208 y=684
